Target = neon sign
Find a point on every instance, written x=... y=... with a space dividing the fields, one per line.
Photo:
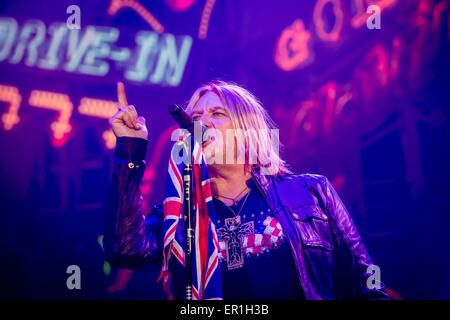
x=204 y=20
x=175 y=5
x=333 y=34
x=58 y=102
x=11 y=96
x=62 y=104
x=102 y=109
x=116 y=5
x=293 y=46
x=157 y=58
x=331 y=105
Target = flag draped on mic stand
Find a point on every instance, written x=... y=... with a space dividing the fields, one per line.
x=206 y=282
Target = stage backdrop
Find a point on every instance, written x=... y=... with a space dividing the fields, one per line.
x=366 y=105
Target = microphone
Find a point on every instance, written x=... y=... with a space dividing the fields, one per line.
x=181 y=117
x=186 y=122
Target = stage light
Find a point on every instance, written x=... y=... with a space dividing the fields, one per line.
x=179 y=5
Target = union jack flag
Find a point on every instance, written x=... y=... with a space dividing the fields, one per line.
x=205 y=269
x=268 y=236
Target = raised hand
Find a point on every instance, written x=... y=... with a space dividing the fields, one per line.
x=126 y=122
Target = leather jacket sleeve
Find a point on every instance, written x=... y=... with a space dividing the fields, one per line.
x=353 y=259
x=131 y=239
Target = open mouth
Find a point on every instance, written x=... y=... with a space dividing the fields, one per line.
x=207 y=142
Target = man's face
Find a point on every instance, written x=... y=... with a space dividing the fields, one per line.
x=210 y=111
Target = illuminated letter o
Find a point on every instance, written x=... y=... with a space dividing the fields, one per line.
x=332 y=35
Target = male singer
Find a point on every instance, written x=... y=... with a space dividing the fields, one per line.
x=279 y=235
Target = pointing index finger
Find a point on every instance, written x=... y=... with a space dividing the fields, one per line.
x=121 y=95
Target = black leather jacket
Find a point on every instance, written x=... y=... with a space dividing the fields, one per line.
x=330 y=257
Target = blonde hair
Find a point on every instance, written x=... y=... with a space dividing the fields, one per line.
x=247 y=114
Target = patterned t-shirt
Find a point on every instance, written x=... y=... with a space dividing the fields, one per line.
x=256 y=261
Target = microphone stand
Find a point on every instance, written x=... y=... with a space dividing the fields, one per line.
x=186 y=122
x=188 y=213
